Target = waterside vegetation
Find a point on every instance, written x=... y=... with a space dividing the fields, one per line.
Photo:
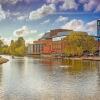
x=80 y=43
x=16 y=48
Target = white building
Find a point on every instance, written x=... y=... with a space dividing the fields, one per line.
x=30 y=49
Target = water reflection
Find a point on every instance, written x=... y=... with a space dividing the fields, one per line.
x=44 y=79
x=1 y=75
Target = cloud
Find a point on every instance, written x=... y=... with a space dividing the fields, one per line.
x=79 y=25
x=13 y=2
x=6 y=40
x=12 y=14
x=46 y=21
x=42 y=12
x=90 y=5
x=75 y=24
x=24 y=31
x=61 y=19
x=30 y=40
x=54 y=1
x=65 y=4
x=16 y=15
x=69 y=5
x=22 y=17
x=2 y=14
x=9 y=1
x=98 y=8
x=91 y=26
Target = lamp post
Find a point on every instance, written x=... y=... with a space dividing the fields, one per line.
x=98 y=34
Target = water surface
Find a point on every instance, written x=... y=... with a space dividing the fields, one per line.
x=46 y=79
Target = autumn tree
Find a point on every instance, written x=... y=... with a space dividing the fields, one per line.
x=1 y=46
x=17 y=47
x=78 y=42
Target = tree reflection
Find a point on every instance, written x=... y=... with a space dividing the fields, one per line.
x=79 y=66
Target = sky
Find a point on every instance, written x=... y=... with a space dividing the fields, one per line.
x=32 y=18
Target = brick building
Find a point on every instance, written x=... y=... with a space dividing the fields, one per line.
x=59 y=43
x=51 y=42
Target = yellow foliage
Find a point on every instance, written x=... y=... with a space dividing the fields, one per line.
x=78 y=42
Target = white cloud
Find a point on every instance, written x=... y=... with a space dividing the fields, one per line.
x=21 y=17
x=9 y=1
x=12 y=14
x=54 y=1
x=14 y=1
x=98 y=8
x=75 y=24
x=2 y=13
x=90 y=5
x=69 y=4
x=16 y=15
x=91 y=26
x=24 y=31
x=61 y=19
x=79 y=25
x=42 y=12
x=6 y=40
x=37 y=36
x=46 y=21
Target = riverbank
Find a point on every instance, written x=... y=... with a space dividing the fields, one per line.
x=84 y=58
x=92 y=58
x=3 y=60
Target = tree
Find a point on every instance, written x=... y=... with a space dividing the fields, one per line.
x=78 y=42
x=17 y=47
x=12 y=47
x=1 y=46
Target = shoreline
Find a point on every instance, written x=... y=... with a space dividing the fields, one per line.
x=83 y=58
x=91 y=58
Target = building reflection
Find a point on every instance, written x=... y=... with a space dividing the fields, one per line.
x=1 y=72
x=98 y=74
x=1 y=83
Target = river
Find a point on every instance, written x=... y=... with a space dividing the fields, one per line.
x=28 y=78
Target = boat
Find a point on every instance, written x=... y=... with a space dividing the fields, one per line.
x=64 y=67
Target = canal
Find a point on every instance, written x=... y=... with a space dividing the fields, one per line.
x=26 y=78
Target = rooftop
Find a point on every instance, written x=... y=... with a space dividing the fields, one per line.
x=62 y=34
x=55 y=33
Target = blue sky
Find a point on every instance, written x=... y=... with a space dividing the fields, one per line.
x=32 y=18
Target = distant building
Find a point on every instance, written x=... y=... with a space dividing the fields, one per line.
x=58 y=43
x=53 y=43
x=43 y=46
x=50 y=42
x=37 y=48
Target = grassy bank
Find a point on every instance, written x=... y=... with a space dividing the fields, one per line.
x=3 y=60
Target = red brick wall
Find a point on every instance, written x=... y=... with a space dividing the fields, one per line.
x=47 y=46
